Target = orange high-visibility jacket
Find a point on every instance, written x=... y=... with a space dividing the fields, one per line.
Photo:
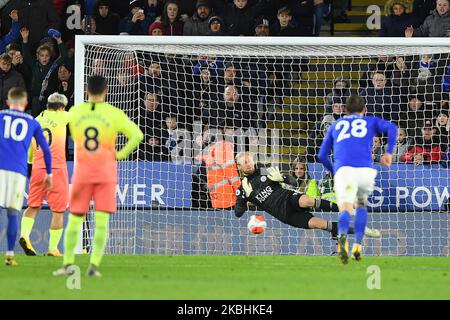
x=222 y=174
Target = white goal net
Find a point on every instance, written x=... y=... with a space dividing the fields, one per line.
x=199 y=101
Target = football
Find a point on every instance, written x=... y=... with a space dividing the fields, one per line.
x=257 y=224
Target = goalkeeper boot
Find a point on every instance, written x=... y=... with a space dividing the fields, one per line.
x=54 y=253
x=64 y=271
x=372 y=233
x=26 y=246
x=93 y=272
x=343 y=248
x=357 y=252
x=10 y=261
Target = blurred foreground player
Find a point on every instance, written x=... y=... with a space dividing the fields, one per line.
x=288 y=206
x=94 y=126
x=17 y=128
x=351 y=139
x=54 y=123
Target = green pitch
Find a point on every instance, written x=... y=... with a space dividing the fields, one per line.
x=231 y=277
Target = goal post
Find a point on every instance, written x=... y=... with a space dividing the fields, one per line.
x=275 y=97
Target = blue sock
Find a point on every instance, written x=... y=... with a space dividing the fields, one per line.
x=13 y=228
x=360 y=223
x=344 y=222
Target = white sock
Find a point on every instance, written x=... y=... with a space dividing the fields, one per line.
x=10 y=253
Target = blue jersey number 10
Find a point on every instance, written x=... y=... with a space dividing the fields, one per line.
x=358 y=129
x=11 y=128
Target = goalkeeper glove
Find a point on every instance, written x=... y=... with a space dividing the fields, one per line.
x=247 y=186
x=274 y=174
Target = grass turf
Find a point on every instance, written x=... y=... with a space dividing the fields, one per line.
x=230 y=277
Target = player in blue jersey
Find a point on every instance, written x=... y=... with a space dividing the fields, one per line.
x=351 y=139
x=17 y=128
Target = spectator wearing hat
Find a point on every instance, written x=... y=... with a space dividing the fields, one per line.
x=283 y=27
x=107 y=22
x=171 y=22
x=155 y=29
x=437 y=24
x=216 y=27
x=398 y=18
x=262 y=27
x=240 y=16
x=13 y=34
x=197 y=25
x=136 y=23
x=426 y=149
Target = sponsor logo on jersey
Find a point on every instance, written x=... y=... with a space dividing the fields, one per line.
x=264 y=194
x=263 y=178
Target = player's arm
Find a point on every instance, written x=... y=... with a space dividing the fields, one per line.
x=325 y=150
x=132 y=132
x=42 y=142
x=241 y=203
x=389 y=129
x=30 y=159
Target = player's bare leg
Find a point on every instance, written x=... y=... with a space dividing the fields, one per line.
x=56 y=230
x=26 y=227
x=346 y=208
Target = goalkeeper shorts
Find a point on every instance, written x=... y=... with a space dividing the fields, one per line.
x=354 y=184
x=103 y=194
x=57 y=197
x=12 y=189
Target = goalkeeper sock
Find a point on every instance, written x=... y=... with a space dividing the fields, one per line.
x=326 y=205
x=55 y=236
x=12 y=230
x=26 y=227
x=360 y=223
x=344 y=222
x=333 y=228
x=71 y=238
x=100 y=237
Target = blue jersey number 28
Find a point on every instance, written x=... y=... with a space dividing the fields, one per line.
x=358 y=129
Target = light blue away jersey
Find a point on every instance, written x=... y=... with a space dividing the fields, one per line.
x=351 y=139
x=17 y=128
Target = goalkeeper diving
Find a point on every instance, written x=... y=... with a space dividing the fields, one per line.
x=291 y=207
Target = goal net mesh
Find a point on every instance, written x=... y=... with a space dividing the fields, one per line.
x=194 y=102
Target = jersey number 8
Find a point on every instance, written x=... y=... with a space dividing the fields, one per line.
x=358 y=130
x=91 y=142
x=11 y=128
